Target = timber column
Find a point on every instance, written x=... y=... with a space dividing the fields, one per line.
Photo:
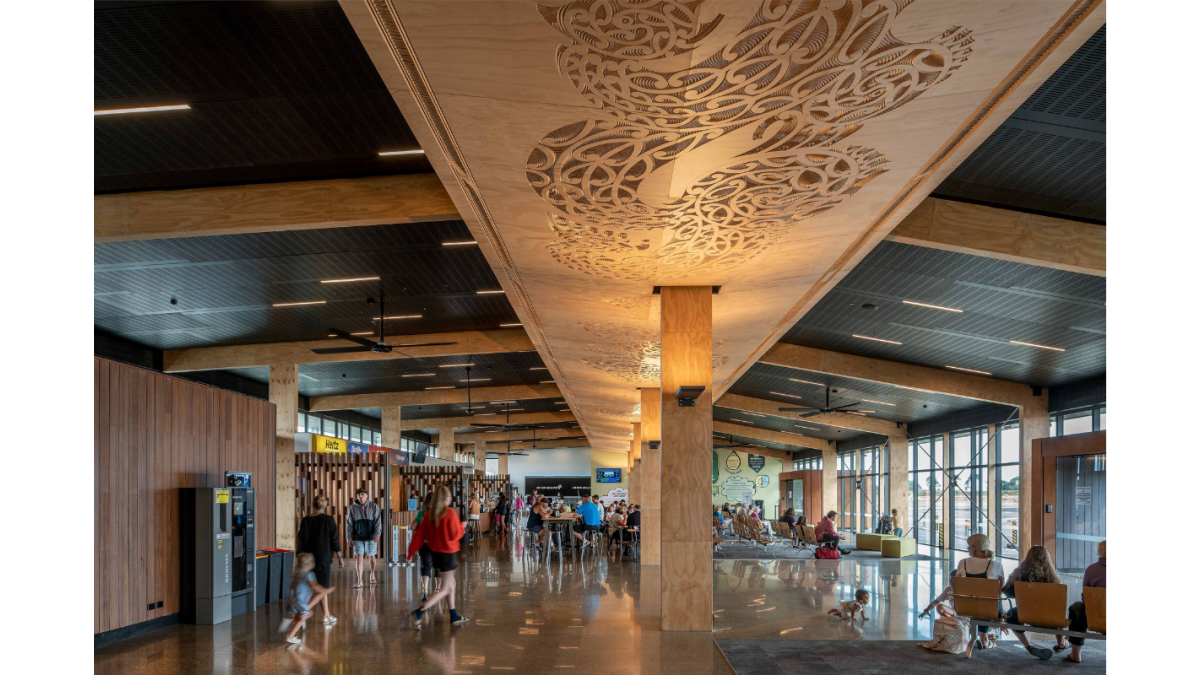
x=391 y=427
x=649 y=479
x=445 y=444
x=686 y=460
x=479 y=454
x=635 y=451
x=898 y=458
x=502 y=464
x=284 y=393
x=829 y=483
x=1035 y=423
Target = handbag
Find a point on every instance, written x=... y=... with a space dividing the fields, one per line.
x=826 y=553
x=950 y=635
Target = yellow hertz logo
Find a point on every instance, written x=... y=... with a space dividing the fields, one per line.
x=327 y=444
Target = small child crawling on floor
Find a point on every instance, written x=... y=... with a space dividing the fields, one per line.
x=847 y=608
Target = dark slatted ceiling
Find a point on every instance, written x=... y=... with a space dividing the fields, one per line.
x=1049 y=156
x=279 y=91
x=226 y=285
x=1001 y=301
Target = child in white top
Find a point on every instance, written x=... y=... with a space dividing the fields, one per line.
x=847 y=608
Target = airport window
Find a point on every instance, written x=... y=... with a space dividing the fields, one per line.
x=925 y=485
x=968 y=490
x=1008 y=477
x=1076 y=423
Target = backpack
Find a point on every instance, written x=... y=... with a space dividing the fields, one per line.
x=884 y=527
x=826 y=553
x=950 y=635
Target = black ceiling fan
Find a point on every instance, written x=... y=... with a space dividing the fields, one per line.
x=380 y=347
x=827 y=410
x=508 y=451
x=507 y=417
x=730 y=443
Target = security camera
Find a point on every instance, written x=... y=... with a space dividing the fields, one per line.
x=687 y=396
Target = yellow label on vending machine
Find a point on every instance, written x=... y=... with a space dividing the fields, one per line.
x=222 y=496
x=326 y=444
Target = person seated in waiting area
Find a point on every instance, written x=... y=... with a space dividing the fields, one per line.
x=980 y=565
x=789 y=517
x=633 y=517
x=717 y=514
x=1036 y=568
x=826 y=532
x=1093 y=577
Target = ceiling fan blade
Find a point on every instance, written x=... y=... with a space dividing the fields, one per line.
x=353 y=338
x=843 y=407
x=341 y=350
x=426 y=344
x=812 y=414
x=797 y=409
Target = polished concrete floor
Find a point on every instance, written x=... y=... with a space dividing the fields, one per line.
x=530 y=617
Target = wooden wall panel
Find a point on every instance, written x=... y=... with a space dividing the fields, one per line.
x=153 y=435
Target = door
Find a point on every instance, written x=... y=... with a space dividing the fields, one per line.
x=1080 y=510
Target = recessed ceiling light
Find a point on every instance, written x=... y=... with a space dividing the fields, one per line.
x=419 y=375
x=863 y=413
x=512 y=409
x=428 y=388
x=792 y=379
x=477 y=379
x=393 y=153
x=867 y=337
x=297 y=304
x=922 y=304
x=969 y=370
x=732 y=419
x=747 y=412
x=923 y=391
x=488 y=292
x=509 y=325
x=1030 y=344
x=343 y=281
x=867 y=400
x=155 y=108
x=365 y=332
x=455 y=365
x=546 y=382
x=406 y=316
x=780 y=393
x=540 y=368
x=458 y=243
x=805 y=426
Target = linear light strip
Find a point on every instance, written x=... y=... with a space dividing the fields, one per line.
x=488 y=292
x=419 y=375
x=969 y=370
x=455 y=365
x=155 y=108
x=428 y=388
x=780 y=393
x=509 y=325
x=345 y=281
x=746 y=412
x=407 y=316
x=458 y=243
x=868 y=337
x=393 y=153
x=867 y=400
x=731 y=419
x=1031 y=344
x=298 y=304
x=792 y=379
x=367 y=332
x=546 y=382
x=922 y=304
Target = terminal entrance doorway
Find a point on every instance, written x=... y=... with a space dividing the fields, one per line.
x=1081 y=510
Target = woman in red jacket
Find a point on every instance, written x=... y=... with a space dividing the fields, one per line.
x=441 y=530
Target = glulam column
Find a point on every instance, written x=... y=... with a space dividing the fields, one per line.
x=445 y=443
x=649 y=475
x=502 y=462
x=480 y=456
x=635 y=451
x=283 y=391
x=391 y=427
x=1034 y=424
x=898 y=489
x=686 y=460
x=829 y=483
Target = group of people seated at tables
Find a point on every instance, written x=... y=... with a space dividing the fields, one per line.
x=617 y=520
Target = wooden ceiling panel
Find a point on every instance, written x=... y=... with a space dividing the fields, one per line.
x=597 y=149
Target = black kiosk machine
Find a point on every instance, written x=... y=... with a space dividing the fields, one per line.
x=217 y=551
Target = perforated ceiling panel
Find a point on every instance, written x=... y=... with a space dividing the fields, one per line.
x=1049 y=156
x=225 y=286
x=1001 y=302
x=278 y=91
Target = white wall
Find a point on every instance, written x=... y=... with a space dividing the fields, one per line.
x=555 y=462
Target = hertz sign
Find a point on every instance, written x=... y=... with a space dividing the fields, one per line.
x=326 y=444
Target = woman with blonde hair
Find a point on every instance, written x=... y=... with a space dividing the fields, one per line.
x=979 y=564
x=440 y=529
x=318 y=536
x=1037 y=568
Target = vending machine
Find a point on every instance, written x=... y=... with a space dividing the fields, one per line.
x=242 y=590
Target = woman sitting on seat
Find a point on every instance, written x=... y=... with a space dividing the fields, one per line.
x=979 y=566
x=789 y=518
x=1036 y=568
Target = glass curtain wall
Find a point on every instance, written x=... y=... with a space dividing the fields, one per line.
x=926 y=484
x=846 y=490
x=969 y=492
x=1008 y=485
x=873 y=495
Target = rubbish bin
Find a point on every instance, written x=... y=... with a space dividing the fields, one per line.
x=274 y=572
x=262 y=573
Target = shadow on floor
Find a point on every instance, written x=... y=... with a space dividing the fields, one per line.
x=893 y=657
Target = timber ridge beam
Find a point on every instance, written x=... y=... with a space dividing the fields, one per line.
x=502 y=340
x=517 y=435
x=479 y=395
x=271 y=207
x=871 y=425
x=463 y=422
x=1001 y=234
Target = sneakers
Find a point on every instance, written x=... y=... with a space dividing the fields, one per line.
x=1041 y=652
x=293 y=640
x=329 y=620
x=414 y=619
x=424 y=599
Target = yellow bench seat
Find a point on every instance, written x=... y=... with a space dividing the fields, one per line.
x=899 y=547
x=869 y=541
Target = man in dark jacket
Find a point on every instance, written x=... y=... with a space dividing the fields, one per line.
x=364 y=526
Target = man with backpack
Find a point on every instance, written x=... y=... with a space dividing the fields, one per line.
x=364 y=527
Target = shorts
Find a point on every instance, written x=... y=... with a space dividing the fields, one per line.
x=426 y=558
x=444 y=562
x=366 y=548
x=473 y=516
x=322 y=572
x=535 y=528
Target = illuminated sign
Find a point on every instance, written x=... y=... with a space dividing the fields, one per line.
x=326 y=444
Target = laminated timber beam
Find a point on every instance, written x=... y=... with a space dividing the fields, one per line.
x=465 y=421
x=770 y=436
x=271 y=207
x=838 y=420
x=519 y=435
x=435 y=397
x=1001 y=234
x=249 y=356
x=540 y=445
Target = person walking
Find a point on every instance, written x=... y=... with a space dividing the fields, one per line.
x=501 y=517
x=364 y=526
x=441 y=530
x=318 y=536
